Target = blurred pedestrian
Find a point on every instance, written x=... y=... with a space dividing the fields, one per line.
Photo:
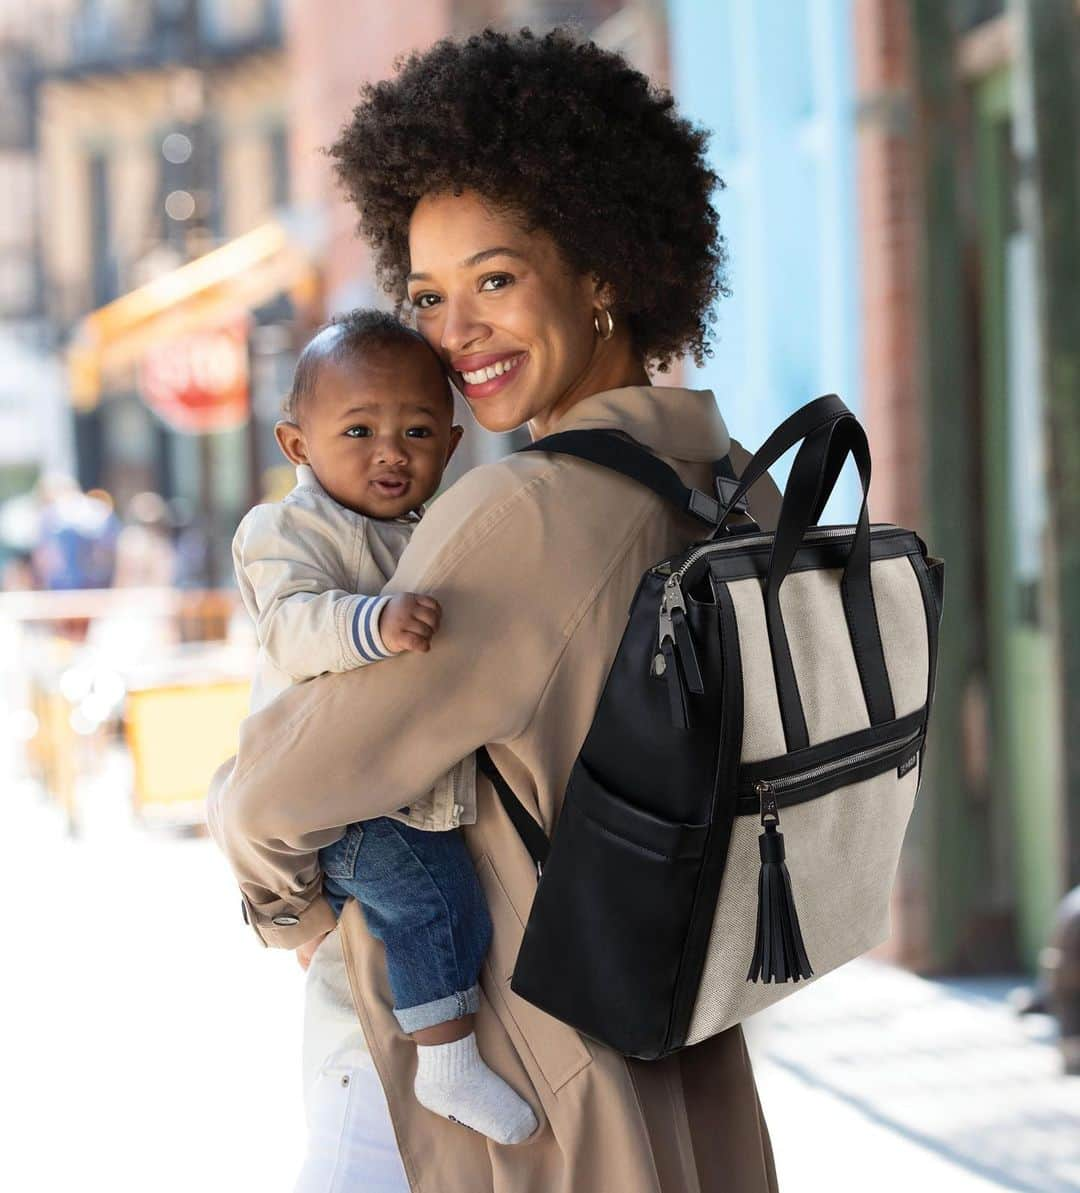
x=145 y=555
x=77 y=533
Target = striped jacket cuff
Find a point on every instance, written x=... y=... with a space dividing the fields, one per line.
x=366 y=639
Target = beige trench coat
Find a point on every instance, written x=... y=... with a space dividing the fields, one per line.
x=535 y=560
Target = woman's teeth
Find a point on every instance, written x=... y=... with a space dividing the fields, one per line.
x=492 y=371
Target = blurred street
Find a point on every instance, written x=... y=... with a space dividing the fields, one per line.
x=166 y=1043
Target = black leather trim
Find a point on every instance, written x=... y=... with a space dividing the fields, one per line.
x=933 y=593
x=721 y=822
x=749 y=805
x=737 y=563
x=826 y=751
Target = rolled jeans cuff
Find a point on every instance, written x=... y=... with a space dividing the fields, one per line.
x=439 y=1010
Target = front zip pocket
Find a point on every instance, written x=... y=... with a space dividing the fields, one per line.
x=782 y=781
x=779 y=952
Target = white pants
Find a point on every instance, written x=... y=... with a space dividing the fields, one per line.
x=351 y=1144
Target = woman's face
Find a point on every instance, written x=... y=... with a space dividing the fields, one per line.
x=512 y=323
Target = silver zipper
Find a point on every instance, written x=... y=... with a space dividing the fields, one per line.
x=743 y=540
x=672 y=597
x=671 y=600
x=765 y=788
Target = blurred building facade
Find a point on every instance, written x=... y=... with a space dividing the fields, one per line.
x=161 y=134
x=898 y=231
x=964 y=110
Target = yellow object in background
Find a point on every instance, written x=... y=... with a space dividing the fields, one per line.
x=178 y=735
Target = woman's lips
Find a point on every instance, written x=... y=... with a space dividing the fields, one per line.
x=485 y=389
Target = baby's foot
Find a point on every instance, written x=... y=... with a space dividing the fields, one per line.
x=452 y=1080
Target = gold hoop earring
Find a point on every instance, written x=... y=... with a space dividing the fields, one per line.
x=610 y=323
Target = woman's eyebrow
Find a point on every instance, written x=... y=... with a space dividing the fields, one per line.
x=475 y=259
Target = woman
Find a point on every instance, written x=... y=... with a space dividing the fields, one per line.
x=547 y=219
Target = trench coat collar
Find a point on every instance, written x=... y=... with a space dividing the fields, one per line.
x=682 y=424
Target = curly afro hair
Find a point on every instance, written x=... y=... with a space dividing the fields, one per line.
x=570 y=139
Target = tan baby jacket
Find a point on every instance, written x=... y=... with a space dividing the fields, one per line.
x=310 y=573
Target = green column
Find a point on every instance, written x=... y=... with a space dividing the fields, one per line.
x=956 y=828
x=1050 y=60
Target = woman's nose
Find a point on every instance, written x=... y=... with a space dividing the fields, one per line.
x=461 y=328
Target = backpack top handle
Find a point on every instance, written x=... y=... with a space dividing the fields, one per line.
x=813 y=476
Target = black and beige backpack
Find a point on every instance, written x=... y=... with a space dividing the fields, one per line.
x=732 y=825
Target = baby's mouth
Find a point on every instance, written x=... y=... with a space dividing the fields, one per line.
x=391 y=486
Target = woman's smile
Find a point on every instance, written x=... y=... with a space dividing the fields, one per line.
x=488 y=374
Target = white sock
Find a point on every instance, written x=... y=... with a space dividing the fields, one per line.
x=452 y=1080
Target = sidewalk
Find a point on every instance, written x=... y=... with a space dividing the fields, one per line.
x=873 y=1078
x=149 y=1043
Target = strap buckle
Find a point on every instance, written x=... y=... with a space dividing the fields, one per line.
x=725 y=490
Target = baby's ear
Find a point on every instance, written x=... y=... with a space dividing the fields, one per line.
x=456 y=433
x=291 y=441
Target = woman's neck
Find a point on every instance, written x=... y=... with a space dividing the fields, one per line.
x=607 y=370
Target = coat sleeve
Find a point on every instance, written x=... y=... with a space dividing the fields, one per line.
x=305 y=623
x=359 y=744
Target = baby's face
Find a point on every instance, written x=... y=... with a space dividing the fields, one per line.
x=378 y=431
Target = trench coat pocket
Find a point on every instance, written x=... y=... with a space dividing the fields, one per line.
x=556 y=1049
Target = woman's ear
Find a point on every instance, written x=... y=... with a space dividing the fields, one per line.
x=291 y=441
x=602 y=293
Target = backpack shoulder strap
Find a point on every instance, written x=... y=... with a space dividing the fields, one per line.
x=622 y=455
x=532 y=835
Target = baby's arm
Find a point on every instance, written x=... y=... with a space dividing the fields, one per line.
x=286 y=564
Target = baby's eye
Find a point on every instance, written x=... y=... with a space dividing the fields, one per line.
x=421 y=301
x=359 y=432
x=503 y=280
x=419 y=432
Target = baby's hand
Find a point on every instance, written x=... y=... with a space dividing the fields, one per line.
x=408 y=621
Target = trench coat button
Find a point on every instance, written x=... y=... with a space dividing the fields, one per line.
x=286 y=921
x=458 y=809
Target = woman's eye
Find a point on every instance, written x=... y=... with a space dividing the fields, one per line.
x=421 y=301
x=358 y=432
x=501 y=281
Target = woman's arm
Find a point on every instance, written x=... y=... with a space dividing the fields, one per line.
x=352 y=746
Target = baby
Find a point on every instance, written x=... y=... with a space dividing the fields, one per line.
x=369 y=426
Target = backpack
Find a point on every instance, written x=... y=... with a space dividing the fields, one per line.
x=732 y=826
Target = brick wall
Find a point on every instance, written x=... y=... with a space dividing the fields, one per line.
x=889 y=232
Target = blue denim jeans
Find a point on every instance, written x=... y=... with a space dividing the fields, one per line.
x=420 y=896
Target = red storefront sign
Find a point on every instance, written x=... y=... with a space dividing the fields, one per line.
x=199 y=382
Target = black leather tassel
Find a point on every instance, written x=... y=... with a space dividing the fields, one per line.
x=779 y=953
x=676 y=686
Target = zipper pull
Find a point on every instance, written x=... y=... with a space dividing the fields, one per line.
x=674 y=627
x=767 y=801
x=779 y=952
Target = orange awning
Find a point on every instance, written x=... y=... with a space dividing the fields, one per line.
x=236 y=277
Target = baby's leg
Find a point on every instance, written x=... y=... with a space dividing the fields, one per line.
x=421 y=898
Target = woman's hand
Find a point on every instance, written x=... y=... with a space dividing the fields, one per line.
x=307 y=950
x=408 y=621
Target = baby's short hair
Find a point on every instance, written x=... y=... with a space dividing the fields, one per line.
x=346 y=337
